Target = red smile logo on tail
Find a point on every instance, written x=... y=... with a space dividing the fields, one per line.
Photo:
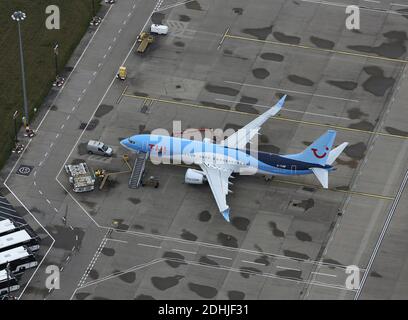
x=318 y=155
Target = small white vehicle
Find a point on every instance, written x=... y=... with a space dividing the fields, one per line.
x=159 y=29
x=81 y=177
x=98 y=147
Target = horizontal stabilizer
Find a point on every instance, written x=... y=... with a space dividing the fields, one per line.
x=334 y=154
x=322 y=175
x=225 y=214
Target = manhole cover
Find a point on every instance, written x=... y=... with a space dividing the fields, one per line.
x=24 y=170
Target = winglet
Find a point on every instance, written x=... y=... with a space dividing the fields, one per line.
x=225 y=214
x=280 y=103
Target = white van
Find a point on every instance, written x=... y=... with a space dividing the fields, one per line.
x=98 y=147
x=159 y=29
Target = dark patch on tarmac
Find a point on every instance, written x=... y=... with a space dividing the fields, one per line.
x=260 y=73
x=240 y=223
x=176 y=256
x=344 y=85
x=375 y=274
x=100 y=298
x=280 y=36
x=356 y=113
x=263 y=138
x=103 y=110
x=227 y=240
x=204 y=216
x=65 y=237
x=128 y=277
x=93 y=274
x=404 y=12
x=134 y=200
x=140 y=94
x=362 y=125
x=157 y=17
x=393 y=48
x=179 y=44
x=262 y=259
x=332 y=261
x=82 y=148
x=54 y=108
x=137 y=227
x=232 y=126
x=206 y=260
x=245 y=105
x=236 y=295
x=300 y=80
x=272 y=56
x=202 y=290
x=303 y=236
x=305 y=204
x=91 y=126
x=344 y=188
x=187 y=235
x=322 y=43
x=144 y=297
x=356 y=151
x=111 y=183
x=397 y=132
x=260 y=33
x=238 y=11
x=296 y=255
x=184 y=18
x=228 y=51
x=164 y=283
x=221 y=90
x=245 y=272
x=193 y=5
x=377 y=83
x=82 y=295
x=309 y=189
x=109 y=252
x=293 y=274
x=215 y=105
x=351 y=163
x=275 y=231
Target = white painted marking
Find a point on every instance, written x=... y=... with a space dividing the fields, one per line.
x=83 y=91
x=55 y=209
x=285 y=109
x=129 y=14
x=117 y=240
x=124 y=22
x=46 y=155
x=286 y=268
x=73 y=108
x=57 y=135
x=104 y=56
x=114 y=39
x=62 y=126
x=68 y=116
x=48 y=201
x=99 y=65
x=79 y=99
x=40 y=192
x=51 y=145
x=35 y=183
x=110 y=47
x=120 y=30
x=94 y=73
x=148 y=245
x=292 y=91
x=185 y=251
x=325 y=274
x=219 y=257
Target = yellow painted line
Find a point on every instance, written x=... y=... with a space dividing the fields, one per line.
x=361 y=55
x=299 y=184
x=311 y=123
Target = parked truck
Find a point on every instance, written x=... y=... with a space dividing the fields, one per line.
x=81 y=177
x=144 y=39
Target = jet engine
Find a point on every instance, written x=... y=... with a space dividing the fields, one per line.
x=194 y=177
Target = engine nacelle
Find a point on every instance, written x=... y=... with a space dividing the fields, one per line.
x=194 y=177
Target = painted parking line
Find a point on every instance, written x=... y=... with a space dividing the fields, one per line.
x=277 y=118
x=354 y=54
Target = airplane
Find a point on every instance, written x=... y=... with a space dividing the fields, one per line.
x=219 y=161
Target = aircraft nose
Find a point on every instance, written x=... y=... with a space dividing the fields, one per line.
x=124 y=143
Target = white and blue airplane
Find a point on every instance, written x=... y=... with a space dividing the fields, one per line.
x=219 y=161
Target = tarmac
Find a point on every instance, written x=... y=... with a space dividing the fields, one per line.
x=222 y=64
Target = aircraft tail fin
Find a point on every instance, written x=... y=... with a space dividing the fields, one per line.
x=318 y=152
x=334 y=154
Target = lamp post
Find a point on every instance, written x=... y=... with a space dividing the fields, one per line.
x=56 y=59
x=15 y=115
x=20 y=16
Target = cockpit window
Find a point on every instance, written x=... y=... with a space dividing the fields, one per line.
x=131 y=141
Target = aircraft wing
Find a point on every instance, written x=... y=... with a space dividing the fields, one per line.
x=217 y=178
x=244 y=135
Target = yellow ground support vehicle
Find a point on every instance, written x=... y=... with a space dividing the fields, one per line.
x=122 y=73
x=145 y=39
